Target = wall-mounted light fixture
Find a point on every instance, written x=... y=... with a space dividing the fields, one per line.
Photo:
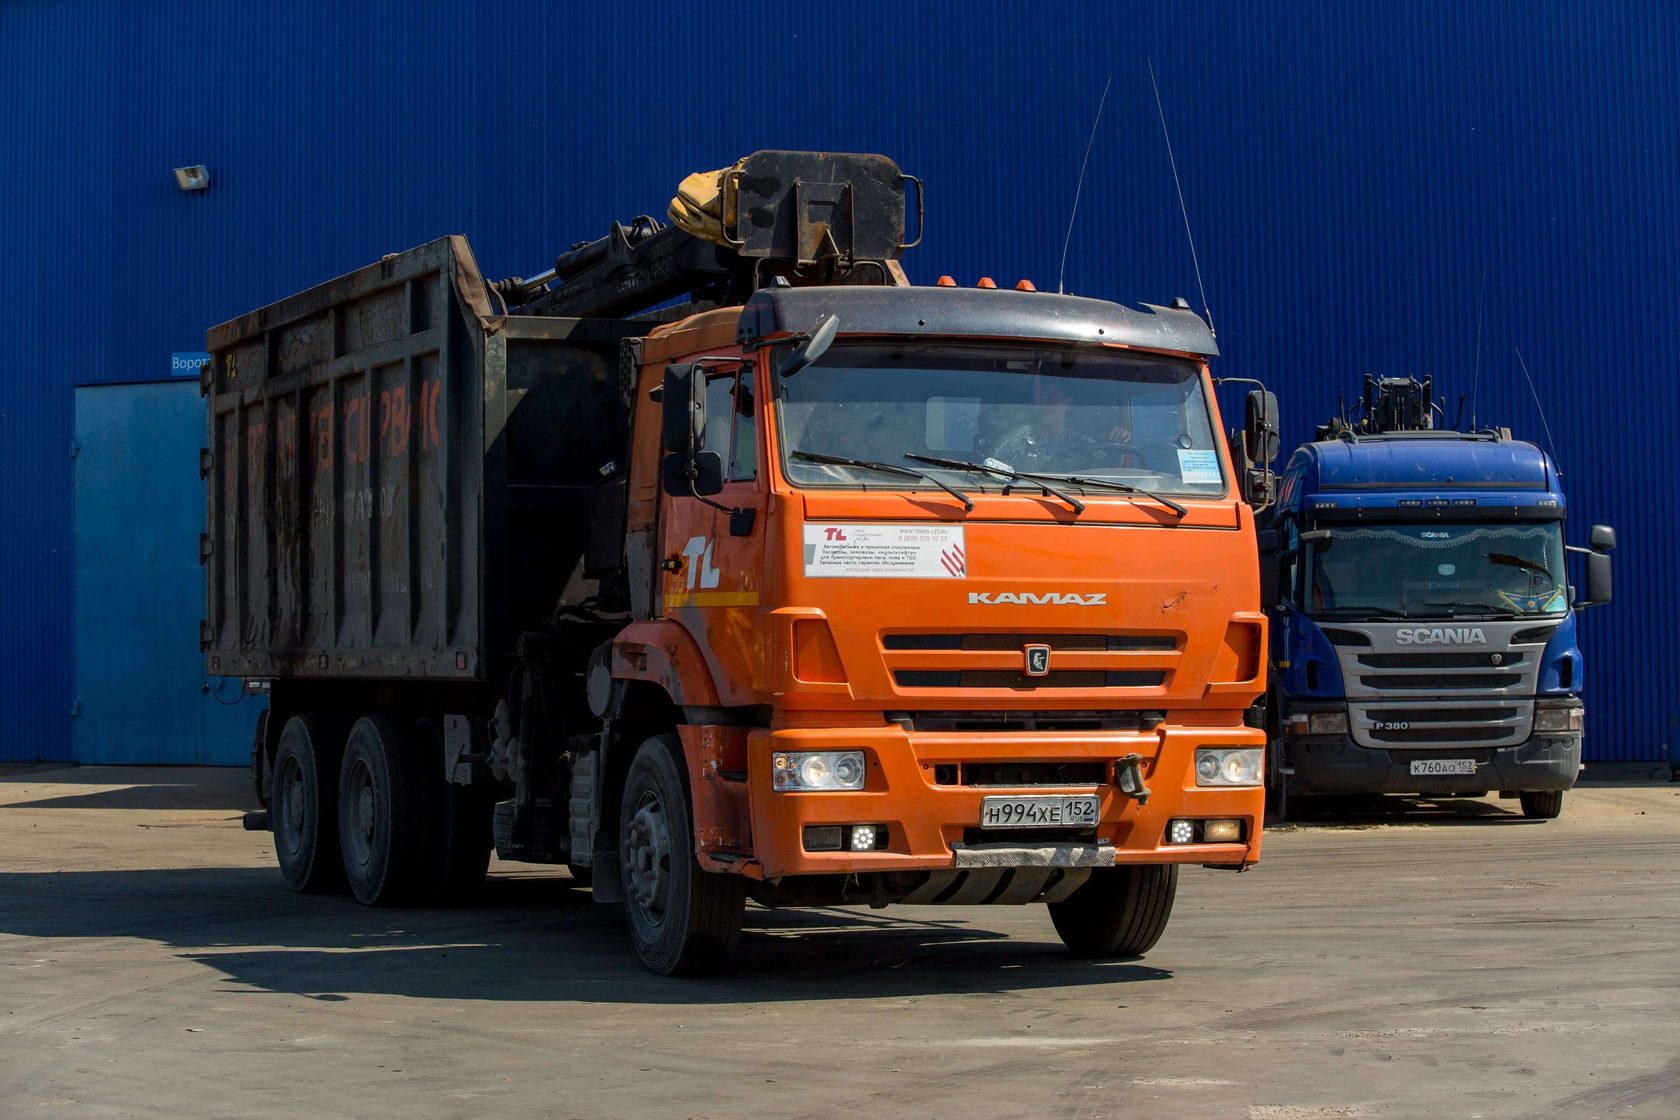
x=194 y=178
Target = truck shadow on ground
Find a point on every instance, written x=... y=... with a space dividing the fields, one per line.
x=1375 y=810
x=533 y=938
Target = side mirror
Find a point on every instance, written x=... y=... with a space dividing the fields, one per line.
x=687 y=475
x=1257 y=486
x=814 y=346
x=1602 y=538
x=1598 y=579
x=683 y=400
x=1260 y=426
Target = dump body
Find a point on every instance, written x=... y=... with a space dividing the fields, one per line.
x=400 y=481
x=1426 y=641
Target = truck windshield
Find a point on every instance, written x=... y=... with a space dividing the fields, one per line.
x=1098 y=415
x=1438 y=570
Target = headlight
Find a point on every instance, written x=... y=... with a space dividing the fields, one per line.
x=817 y=769
x=1327 y=723
x=1558 y=719
x=1216 y=767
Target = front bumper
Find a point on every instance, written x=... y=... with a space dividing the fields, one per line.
x=929 y=823
x=1338 y=765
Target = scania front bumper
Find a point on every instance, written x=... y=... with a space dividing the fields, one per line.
x=1336 y=764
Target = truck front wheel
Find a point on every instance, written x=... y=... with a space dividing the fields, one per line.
x=1543 y=804
x=1117 y=913
x=684 y=921
x=303 y=806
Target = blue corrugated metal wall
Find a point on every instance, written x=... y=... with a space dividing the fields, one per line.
x=1366 y=182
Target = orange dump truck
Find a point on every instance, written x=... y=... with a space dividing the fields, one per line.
x=820 y=588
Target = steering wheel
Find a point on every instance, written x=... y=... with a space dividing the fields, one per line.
x=1103 y=453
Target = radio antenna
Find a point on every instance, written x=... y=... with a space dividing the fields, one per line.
x=1078 y=188
x=1538 y=407
x=1476 y=379
x=1207 y=312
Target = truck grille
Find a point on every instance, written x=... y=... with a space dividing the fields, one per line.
x=1006 y=774
x=997 y=659
x=1378 y=725
x=1136 y=643
x=1003 y=678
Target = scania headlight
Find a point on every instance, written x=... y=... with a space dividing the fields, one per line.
x=1559 y=719
x=817 y=770
x=1327 y=723
x=1219 y=767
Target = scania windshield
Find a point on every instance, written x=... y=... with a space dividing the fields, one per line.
x=1437 y=570
x=972 y=415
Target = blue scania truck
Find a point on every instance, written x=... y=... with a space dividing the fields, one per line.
x=1423 y=619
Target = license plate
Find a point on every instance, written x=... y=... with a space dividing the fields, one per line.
x=1038 y=812
x=1430 y=767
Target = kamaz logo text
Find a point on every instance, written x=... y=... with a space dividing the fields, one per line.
x=1022 y=598
x=1440 y=636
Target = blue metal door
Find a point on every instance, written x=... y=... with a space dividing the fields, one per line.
x=141 y=695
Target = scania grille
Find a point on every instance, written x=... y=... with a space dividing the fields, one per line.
x=1439 y=682
x=1445 y=725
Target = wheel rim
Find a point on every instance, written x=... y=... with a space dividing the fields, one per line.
x=361 y=812
x=647 y=858
x=288 y=816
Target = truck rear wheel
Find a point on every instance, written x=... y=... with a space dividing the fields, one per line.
x=1542 y=804
x=684 y=921
x=387 y=814
x=1117 y=913
x=303 y=806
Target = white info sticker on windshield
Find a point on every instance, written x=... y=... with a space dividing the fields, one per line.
x=885 y=551
x=1198 y=466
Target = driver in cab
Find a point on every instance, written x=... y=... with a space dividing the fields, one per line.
x=1029 y=437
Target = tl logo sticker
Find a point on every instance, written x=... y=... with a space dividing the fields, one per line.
x=698 y=553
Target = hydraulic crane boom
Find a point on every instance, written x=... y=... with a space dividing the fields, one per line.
x=799 y=218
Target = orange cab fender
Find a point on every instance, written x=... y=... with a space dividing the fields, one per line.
x=663 y=653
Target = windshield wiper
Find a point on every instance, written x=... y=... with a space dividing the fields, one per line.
x=1123 y=487
x=1519 y=562
x=1492 y=610
x=1002 y=472
x=889 y=468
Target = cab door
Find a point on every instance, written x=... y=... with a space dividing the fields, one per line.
x=714 y=568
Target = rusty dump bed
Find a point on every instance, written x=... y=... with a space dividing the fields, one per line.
x=400 y=478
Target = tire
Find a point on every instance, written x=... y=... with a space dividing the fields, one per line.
x=1119 y=912
x=388 y=815
x=465 y=833
x=1277 y=784
x=683 y=921
x=1542 y=805
x=303 y=806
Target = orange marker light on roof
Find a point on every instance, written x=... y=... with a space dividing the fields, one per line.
x=1024 y=286
x=945 y=282
x=986 y=282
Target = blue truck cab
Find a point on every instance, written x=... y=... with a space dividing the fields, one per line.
x=1423 y=636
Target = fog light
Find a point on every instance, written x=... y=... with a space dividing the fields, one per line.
x=797 y=770
x=822 y=837
x=863 y=837
x=1558 y=719
x=1222 y=831
x=1218 y=767
x=1181 y=832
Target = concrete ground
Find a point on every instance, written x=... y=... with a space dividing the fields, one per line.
x=1450 y=960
